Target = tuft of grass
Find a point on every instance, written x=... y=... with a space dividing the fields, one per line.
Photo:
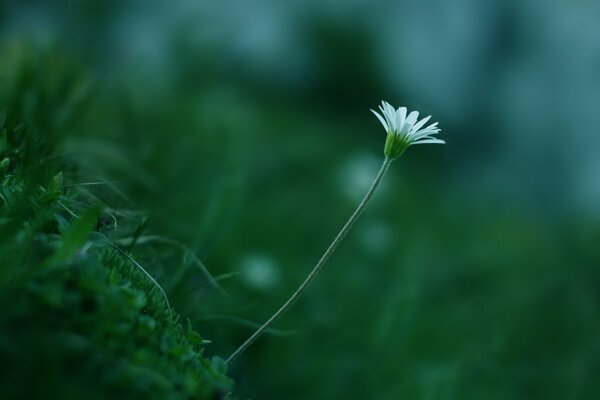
x=81 y=318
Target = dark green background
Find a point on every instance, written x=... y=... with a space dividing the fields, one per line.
x=243 y=129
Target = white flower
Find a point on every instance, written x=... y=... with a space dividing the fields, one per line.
x=404 y=131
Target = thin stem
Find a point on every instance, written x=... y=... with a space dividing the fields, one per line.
x=320 y=264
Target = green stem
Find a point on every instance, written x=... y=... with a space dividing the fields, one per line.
x=320 y=264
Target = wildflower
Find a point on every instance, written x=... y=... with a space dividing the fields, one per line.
x=404 y=130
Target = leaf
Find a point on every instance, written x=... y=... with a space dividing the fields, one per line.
x=49 y=197
x=219 y=365
x=56 y=185
x=195 y=338
x=76 y=236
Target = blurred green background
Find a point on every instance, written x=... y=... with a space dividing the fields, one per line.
x=243 y=129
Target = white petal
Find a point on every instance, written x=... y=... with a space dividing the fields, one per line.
x=429 y=131
x=412 y=118
x=422 y=134
x=390 y=116
x=402 y=111
x=432 y=126
x=419 y=124
x=399 y=121
x=380 y=118
x=425 y=141
x=386 y=106
x=384 y=109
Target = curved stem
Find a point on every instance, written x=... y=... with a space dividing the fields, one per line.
x=340 y=236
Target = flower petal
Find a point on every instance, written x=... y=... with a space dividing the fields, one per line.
x=432 y=126
x=402 y=111
x=419 y=124
x=412 y=118
x=425 y=141
x=423 y=134
x=380 y=118
x=400 y=119
x=391 y=117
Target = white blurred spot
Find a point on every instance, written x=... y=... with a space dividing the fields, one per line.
x=357 y=175
x=260 y=272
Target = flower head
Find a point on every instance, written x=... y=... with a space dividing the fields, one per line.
x=404 y=130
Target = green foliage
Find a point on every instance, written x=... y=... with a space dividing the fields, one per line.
x=76 y=236
x=460 y=282
x=80 y=318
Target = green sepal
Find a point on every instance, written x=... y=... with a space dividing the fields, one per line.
x=395 y=145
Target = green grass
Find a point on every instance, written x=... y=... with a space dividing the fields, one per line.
x=450 y=287
x=81 y=317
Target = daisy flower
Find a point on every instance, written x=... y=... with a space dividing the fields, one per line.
x=404 y=130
